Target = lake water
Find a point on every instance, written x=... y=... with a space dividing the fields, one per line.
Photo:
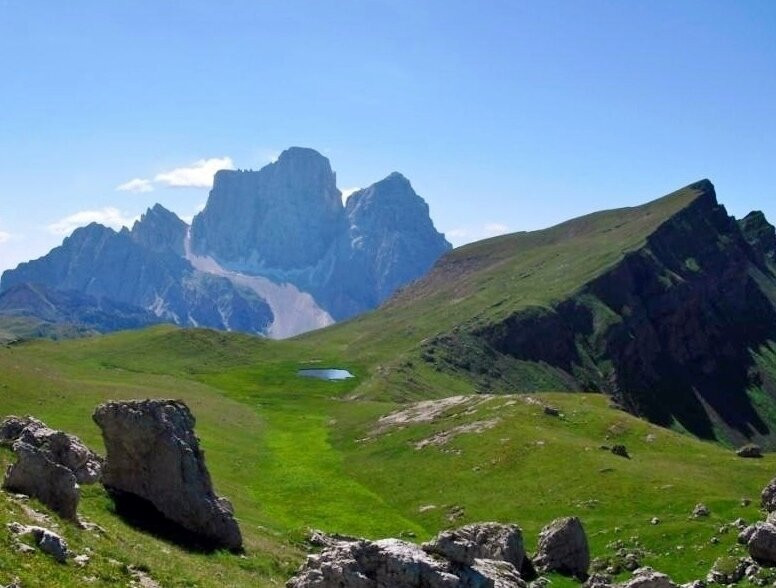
x=325 y=374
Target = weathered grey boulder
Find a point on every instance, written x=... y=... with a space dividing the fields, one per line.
x=479 y=541
x=768 y=496
x=750 y=451
x=648 y=578
x=37 y=475
x=762 y=543
x=62 y=448
x=153 y=454
x=398 y=564
x=47 y=541
x=598 y=580
x=563 y=548
x=700 y=511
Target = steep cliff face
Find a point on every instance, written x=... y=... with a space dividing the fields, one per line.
x=287 y=222
x=284 y=217
x=391 y=234
x=672 y=331
x=144 y=268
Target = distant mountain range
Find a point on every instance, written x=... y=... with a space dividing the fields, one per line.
x=274 y=252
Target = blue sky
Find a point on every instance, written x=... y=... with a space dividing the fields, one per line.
x=505 y=115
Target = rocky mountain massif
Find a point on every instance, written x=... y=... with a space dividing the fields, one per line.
x=274 y=252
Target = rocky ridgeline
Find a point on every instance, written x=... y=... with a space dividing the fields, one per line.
x=285 y=222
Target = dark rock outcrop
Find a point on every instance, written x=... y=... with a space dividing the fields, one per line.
x=563 y=548
x=154 y=455
x=670 y=331
x=760 y=234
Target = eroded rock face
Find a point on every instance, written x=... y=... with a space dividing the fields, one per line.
x=61 y=448
x=398 y=564
x=563 y=548
x=37 y=475
x=479 y=541
x=153 y=454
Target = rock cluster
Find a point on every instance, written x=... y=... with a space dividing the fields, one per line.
x=49 y=465
x=154 y=455
x=477 y=555
x=452 y=559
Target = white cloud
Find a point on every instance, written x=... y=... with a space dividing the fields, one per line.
x=108 y=216
x=136 y=185
x=197 y=175
x=347 y=192
x=457 y=233
x=493 y=229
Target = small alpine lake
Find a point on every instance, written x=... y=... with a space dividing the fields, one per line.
x=331 y=374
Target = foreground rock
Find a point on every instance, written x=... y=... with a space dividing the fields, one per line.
x=61 y=448
x=480 y=541
x=761 y=542
x=563 y=548
x=35 y=474
x=47 y=541
x=398 y=564
x=649 y=578
x=153 y=454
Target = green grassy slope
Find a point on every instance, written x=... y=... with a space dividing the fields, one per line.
x=294 y=453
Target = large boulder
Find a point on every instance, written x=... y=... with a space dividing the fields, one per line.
x=563 y=548
x=479 y=541
x=762 y=543
x=37 y=475
x=398 y=564
x=153 y=454
x=61 y=448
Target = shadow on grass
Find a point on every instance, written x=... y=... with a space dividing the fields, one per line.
x=141 y=514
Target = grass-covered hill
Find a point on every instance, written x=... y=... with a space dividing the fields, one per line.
x=294 y=453
x=669 y=307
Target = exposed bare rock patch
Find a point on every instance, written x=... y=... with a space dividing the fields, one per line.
x=426 y=411
x=443 y=437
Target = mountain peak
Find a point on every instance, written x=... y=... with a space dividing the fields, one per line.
x=160 y=230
